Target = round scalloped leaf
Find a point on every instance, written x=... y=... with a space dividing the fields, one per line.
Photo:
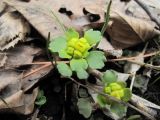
x=82 y=74
x=92 y=36
x=109 y=76
x=63 y=54
x=84 y=107
x=57 y=44
x=101 y=100
x=96 y=59
x=127 y=94
x=80 y=66
x=118 y=109
x=41 y=101
x=64 y=69
x=71 y=33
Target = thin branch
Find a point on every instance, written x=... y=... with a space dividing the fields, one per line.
x=132 y=58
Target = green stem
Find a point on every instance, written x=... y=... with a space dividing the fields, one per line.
x=58 y=20
x=106 y=18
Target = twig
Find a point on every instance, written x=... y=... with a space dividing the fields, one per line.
x=145 y=65
x=132 y=81
x=151 y=14
x=132 y=58
x=45 y=65
x=36 y=70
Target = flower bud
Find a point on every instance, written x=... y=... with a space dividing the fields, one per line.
x=115 y=86
x=77 y=54
x=70 y=50
x=72 y=42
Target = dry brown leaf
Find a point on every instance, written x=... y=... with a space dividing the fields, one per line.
x=127 y=31
x=11 y=92
x=38 y=13
x=21 y=55
x=13 y=28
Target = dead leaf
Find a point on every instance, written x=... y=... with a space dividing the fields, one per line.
x=30 y=80
x=10 y=90
x=21 y=55
x=38 y=13
x=127 y=31
x=13 y=28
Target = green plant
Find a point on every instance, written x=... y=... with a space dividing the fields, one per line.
x=116 y=89
x=79 y=51
x=41 y=99
x=79 y=54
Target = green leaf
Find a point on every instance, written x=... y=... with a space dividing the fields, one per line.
x=118 y=109
x=127 y=95
x=57 y=44
x=79 y=66
x=85 y=107
x=96 y=59
x=63 y=54
x=71 y=33
x=64 y=69
x=82 y=74
x=101 y=100
x=93 y=36
x=109 y=77
x=41 y=101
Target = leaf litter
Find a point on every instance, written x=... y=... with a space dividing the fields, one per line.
x=123 y=32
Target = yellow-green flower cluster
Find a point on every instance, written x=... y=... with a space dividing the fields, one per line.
x=114 y=89
x=77 y=48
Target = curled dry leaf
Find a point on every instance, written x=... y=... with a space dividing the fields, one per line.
x=13 y=28
x=127 y=31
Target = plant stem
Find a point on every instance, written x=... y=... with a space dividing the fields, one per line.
x=106 y=18
x=58 y=20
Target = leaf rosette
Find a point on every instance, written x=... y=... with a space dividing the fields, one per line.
x=79 y=52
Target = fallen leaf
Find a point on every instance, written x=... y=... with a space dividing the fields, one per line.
x=127 y=31
x=11 y=93
x=13 y=28
x=38 y=13
x=21 y=55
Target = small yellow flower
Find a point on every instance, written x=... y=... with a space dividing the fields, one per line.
x=107 y=90
x=82 y=45
x=70 y=50
x=77 y=54
x=116 y=94
x=72 y=42
x=121 y=93
x=115 y=86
